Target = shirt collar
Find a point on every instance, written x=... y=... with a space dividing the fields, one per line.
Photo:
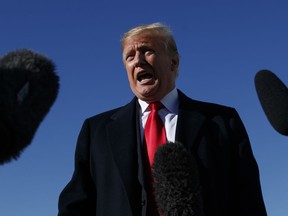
x=170 y=101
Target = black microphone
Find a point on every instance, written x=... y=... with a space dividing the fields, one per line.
x=273 y=96
x=28 y=88
x=176 y=181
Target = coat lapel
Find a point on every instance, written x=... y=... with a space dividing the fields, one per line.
x=122 y=137
x=189 y=121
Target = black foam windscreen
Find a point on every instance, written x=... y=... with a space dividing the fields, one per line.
x=176 y=181
x=273 y=96
x=29 y=86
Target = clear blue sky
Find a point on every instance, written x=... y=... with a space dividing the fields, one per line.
x=222 y=45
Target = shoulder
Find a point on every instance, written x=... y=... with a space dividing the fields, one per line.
x=216 y=115
x=110 y=115
x=206 y=108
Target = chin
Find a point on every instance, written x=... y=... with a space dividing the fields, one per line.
x=147 y=93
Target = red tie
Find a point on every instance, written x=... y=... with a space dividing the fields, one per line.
x=155 y=134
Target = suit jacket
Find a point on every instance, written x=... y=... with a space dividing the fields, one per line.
x=109 y=176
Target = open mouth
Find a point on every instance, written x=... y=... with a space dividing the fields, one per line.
x=141 y=77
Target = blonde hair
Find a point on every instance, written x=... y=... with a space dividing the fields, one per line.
x=155 y=30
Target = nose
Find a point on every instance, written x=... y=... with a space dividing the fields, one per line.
x=139 y=59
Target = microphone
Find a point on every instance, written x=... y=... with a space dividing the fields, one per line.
x=273 y=96
x=28 y=88
x=176 y=181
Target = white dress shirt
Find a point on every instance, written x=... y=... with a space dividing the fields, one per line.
x=168 y=114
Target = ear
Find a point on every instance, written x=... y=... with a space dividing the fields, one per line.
x=174 y=63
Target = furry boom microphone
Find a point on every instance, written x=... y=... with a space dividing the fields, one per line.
x=176 y=181
x=28 y=88
x=273 y=96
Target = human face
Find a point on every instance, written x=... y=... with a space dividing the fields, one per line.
x=151 y=70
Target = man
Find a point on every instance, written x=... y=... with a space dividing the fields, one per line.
x=111 y=177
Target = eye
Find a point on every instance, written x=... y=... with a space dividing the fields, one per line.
x=129 y=57
x=148 y=51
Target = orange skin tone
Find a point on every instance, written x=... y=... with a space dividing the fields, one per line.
x=151 y=71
